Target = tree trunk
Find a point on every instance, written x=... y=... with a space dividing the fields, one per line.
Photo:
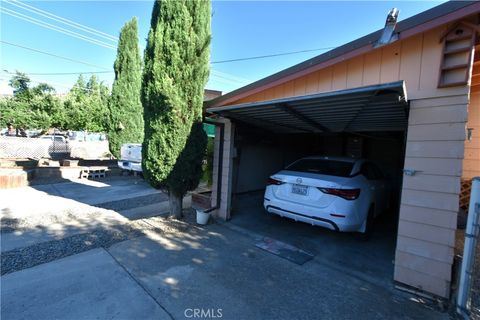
x=175 y=205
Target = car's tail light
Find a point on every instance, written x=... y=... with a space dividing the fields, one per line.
x=272 y=181
x=348 y=194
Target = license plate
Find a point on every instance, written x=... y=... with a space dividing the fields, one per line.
x=299 y=189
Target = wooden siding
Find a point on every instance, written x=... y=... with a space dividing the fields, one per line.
x=471 y=162
x=430 y=198
x=415 y=60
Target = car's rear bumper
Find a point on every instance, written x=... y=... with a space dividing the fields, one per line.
x=313 y=216
x=130 y=165
x=326 y=223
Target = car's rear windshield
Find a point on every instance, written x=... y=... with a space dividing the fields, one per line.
x=322 y=166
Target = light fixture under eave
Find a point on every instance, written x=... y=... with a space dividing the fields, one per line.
x=388 y=33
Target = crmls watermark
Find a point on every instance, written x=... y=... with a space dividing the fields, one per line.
x=201 y=313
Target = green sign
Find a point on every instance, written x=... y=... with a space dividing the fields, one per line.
x=209 y=129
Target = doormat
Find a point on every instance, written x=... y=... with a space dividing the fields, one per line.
x=284 y=250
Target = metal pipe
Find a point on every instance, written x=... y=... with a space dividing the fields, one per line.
x=471 y=237
x=221 y=125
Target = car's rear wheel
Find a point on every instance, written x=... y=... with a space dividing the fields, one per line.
x=367 y=234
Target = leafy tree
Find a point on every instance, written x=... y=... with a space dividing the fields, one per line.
x=86 y=105
x=125 y=113
x=175 y=74
x=31 y=108
x=20 y=83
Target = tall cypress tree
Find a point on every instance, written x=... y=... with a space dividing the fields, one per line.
x=176 y=71
x=125 y=112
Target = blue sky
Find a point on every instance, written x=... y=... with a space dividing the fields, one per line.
x=239 y=29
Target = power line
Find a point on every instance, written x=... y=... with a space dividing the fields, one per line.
x=270 y=55
x=228 y=76
x=56 y=28
x=61 y=20
x=65 y=73
x=53 y=55
x=39 y=81
x=227 y=80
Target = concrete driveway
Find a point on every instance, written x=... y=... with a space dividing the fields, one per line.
x=158 y=268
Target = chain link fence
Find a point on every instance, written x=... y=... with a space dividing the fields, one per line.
x=53 y=147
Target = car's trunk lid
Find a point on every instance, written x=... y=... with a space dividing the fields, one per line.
x=304 y=187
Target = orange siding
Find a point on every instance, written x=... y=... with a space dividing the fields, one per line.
x=371 y=71
x=339 y=81
x=325 y=79
x=415 y=60
x=390 y=64
x=355 y=72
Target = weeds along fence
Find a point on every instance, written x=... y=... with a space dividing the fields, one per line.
x=37 y=148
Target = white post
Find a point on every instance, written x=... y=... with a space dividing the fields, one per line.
x=471 y=237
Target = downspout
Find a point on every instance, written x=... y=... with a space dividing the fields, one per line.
x=221 y=125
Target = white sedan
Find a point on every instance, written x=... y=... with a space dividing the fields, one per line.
x=337 y=193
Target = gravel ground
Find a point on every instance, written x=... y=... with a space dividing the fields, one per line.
x=27 y=257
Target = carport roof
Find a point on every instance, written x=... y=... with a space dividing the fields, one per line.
x=382 y=107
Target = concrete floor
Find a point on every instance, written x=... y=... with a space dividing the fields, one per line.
x=89 y=285
x=217 y=270
x=374 y=257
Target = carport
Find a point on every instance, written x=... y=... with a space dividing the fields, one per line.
x=352 y=101
x=369 y=122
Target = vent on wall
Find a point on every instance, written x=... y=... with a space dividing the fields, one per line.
x=458 y=48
